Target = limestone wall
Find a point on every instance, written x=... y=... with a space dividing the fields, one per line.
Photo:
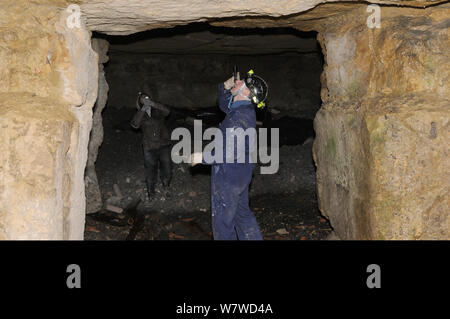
x=48 y=79
x=93 y=195
x=382 y=134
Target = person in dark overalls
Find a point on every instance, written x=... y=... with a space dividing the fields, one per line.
x=156 y=144
x=231 y=216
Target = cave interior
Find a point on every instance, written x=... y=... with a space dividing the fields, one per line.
x=181 y=68
x=371 y=98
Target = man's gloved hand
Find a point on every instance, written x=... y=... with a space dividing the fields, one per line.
x=228 y=84
x=145 y=108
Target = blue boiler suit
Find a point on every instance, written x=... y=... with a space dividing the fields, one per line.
x=231 y=215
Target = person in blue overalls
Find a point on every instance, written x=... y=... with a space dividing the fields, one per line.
x=231 y=216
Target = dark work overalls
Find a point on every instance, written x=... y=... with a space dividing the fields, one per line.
x=156 y=145
x=231 y=215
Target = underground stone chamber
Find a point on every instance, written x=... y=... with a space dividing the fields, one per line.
x=381 y=132
x=181 y=68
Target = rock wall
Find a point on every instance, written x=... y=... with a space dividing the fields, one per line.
x=47 y=72
x=191 y=80
x=382 y=133
x=93 y=195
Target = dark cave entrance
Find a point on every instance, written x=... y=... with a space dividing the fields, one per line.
x=181 y=67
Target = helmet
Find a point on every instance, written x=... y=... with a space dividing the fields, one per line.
x=258 y=88
x=144 y=95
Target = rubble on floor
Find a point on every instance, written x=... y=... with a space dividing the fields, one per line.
x=285 y=200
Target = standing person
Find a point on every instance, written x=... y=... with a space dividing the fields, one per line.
x=231 y=216
x=156 y=142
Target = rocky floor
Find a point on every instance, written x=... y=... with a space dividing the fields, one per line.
x=284 y=203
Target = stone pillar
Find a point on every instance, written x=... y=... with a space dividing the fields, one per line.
x=48 y=85
x=93 y=194
x=382 y=151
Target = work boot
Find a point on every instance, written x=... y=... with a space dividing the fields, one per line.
x=167 y=194
x=166 y=190
x=151 y=194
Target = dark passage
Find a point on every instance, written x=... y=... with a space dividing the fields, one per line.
x=181 y=68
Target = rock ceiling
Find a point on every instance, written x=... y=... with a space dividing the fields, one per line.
x=186 y=40
x=123 y=17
